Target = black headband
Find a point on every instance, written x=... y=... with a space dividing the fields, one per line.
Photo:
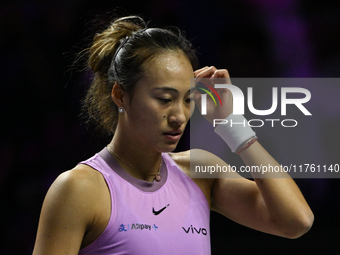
x=122 y=45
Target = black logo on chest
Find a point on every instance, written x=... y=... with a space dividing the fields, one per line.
x=159 y=211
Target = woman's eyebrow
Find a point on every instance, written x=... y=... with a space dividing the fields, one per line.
x=166 y=88
x=170 y=89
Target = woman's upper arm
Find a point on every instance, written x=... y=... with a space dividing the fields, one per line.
x=276 y=209
x=235 y=197
x=66 y=214
x=239 y=200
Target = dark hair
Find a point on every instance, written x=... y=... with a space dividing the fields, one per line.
x=117 y=55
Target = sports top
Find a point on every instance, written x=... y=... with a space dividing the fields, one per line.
x=166 y=217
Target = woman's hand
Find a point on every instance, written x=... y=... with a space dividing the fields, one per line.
x=211 y=76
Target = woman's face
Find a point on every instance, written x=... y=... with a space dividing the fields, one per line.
x=159 y=109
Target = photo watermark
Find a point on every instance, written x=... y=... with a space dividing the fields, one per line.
x=289 y=116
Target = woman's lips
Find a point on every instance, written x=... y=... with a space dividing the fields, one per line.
x=173 y=135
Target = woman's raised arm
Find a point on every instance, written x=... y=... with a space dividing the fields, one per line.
x=272 y=203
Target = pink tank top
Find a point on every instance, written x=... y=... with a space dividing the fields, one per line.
x=166 y=217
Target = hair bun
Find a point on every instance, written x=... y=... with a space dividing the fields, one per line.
x=132 y=19
x=107 y=42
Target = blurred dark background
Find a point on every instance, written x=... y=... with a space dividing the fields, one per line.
x=42 y=134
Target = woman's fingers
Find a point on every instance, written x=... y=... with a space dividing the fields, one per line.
x=205 y=72
x=212 y=72
x=196 y=72
x=221 y=73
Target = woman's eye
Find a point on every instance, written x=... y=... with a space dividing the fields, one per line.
x=165 y=100
x=189 y=100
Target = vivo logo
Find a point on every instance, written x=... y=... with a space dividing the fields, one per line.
x=194 y=230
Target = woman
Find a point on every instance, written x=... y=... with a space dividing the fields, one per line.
x=135 y=196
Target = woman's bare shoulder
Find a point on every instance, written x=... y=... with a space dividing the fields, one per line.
x=79 y=183
x=81 y=177
x=194 y=156
x=84 y=172
x=180 y=156
x=72 y=205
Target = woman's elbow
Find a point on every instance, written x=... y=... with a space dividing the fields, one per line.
x=300 y=227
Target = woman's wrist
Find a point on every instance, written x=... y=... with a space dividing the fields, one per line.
x=236 y=132
x=246 y=144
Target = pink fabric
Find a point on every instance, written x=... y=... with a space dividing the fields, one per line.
x=138 y=225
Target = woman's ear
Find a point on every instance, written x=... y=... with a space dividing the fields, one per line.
x=117 y=95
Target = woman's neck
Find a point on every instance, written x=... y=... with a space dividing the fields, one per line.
x=141 y=163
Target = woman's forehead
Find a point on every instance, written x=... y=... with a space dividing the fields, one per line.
x=168 y=63
x=169 y=67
